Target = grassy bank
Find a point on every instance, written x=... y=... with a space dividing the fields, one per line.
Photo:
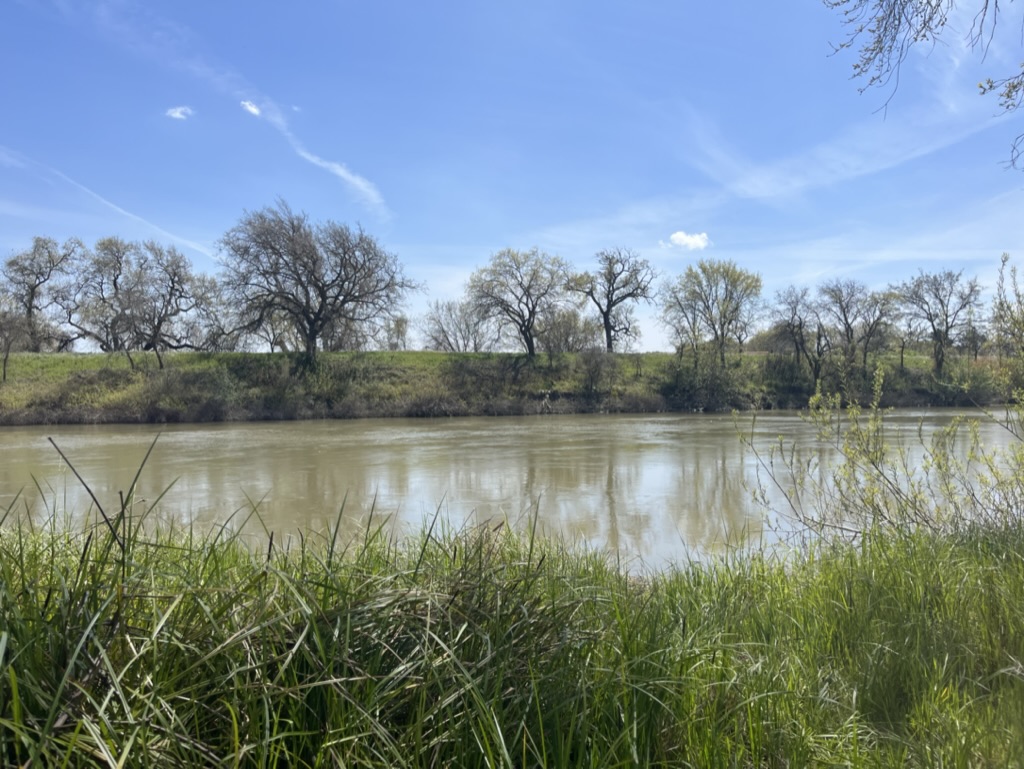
x=201 y=387
x=486 y=648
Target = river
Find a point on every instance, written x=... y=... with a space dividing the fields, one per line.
x=652 y=488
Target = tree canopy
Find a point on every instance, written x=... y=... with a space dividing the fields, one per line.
x=621 y=277
x=943 y=303
x=323 y=279
x=518 y=289
x=714 y=299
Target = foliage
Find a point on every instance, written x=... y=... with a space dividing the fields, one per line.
x=517 y=289
x=943 y=303
x=30 y=279
x=565 y=329
x=878 y=487
x=15 y=332
x=714 y=301
x=125 y=296
x=1008 y=313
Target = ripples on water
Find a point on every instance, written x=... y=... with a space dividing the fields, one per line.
x=654 y=489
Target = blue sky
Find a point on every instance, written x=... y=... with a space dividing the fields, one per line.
x=453 y=130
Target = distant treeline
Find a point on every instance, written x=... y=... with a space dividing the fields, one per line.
x=295 y=286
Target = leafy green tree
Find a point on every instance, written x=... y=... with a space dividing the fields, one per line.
x=621 y=277
x=517 y=289
x=323 y=278
x=716 y=299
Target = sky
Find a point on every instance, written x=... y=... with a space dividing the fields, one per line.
x=453 y=130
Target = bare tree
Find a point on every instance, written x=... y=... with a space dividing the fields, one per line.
x=31 y=277
x=164 y=295
x=318 y=276
x=517 y=288
x=886 y=30
x=855 y=314
x=14 y=331
x=908 y=330
x=878 y=313
x=841 y=303
x=128 y=296
x=1008 y=310
x=96 y=300
x=621 y=277
x=457 y=326
x=942 y=302
x=719 y=295
x=209 y=325
x=800 y=319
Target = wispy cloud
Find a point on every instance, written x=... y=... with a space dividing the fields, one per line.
x=865 y=149
x=10 y=159
x=179 y=113
x=134 y=26
x=366 y=189
x=938 y=109
x=689 y=241
x=48 y=172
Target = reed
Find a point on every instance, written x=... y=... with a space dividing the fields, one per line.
x=124 y=643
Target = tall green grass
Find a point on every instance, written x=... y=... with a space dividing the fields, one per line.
x=127 y=644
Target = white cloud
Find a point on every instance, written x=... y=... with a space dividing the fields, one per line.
x=179 y=113
x=172 y=44
x=690 y=241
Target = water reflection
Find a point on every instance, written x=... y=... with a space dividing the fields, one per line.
x=651 y=488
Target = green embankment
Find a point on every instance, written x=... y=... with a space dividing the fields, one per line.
x=199 y=387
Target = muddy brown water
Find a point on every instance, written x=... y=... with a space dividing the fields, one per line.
x=653 y=489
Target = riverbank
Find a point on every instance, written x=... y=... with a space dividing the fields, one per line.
x=488 y=648
x=207 y=387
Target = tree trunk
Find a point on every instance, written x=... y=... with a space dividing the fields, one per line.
x=310 y=352
x=939 y=356
x=531 y=347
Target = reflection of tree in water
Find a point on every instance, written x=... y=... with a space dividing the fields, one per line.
x=711 y=485
x=649 y=487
